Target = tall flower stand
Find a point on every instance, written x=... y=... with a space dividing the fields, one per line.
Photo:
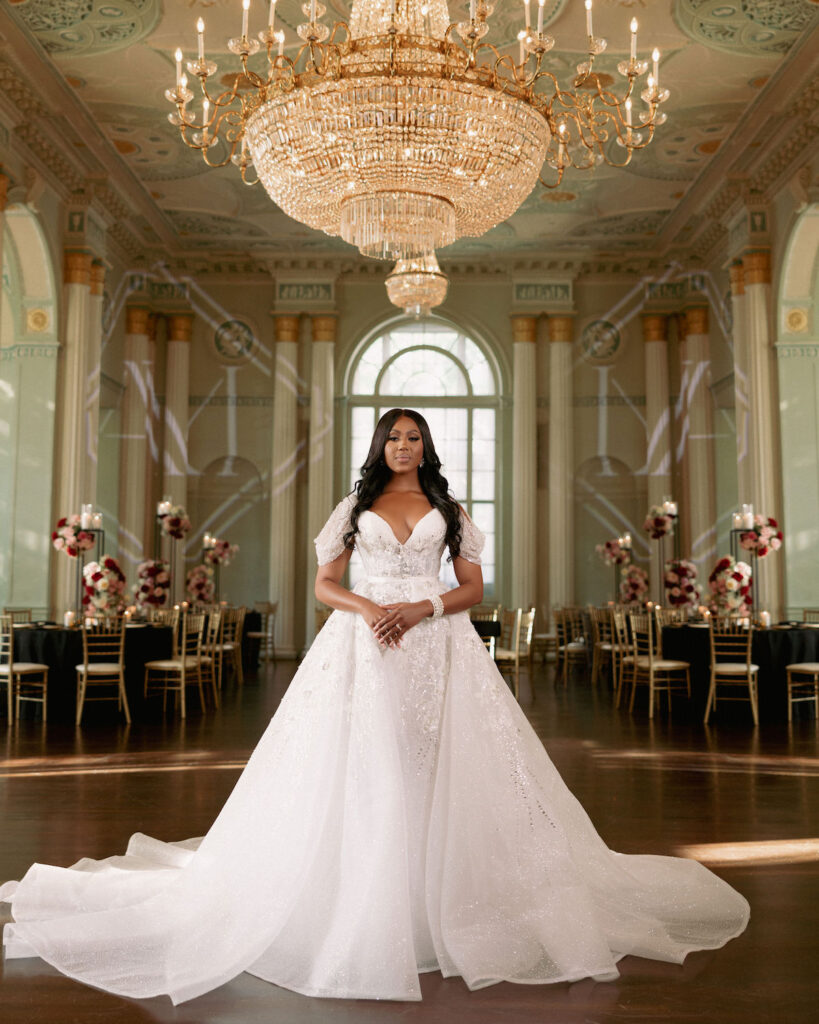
x=739 y=554
x=98 y=549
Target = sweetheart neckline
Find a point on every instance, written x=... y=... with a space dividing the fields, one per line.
x=404 y=543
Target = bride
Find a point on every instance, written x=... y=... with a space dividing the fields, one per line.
x=399 y=814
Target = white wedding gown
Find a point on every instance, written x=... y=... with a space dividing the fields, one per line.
x=398 y=815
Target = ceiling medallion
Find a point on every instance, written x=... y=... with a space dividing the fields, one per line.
x=416 y=285
x=402 y=132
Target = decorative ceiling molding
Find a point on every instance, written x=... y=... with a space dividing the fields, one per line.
x=89 y=26
x=753 y=27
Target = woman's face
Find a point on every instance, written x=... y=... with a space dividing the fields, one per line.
x=404 y=448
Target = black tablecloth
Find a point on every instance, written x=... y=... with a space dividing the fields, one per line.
x=772 y=650
x=61 y=650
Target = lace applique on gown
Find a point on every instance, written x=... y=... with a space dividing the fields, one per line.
x=398 y=815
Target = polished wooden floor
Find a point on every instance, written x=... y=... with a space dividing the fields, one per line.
x=744 y=801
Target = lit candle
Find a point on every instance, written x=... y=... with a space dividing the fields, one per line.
x=748 y=517
x=540 y=4
x=528 y=14
x=200 y=28
x=633 y=38
x=313 y=11
x=627 y=540
x=589 y=18
x=561 y=146
x=245 y=15
x=184 y=85
x=472 y=10
x=205 y=116
x=280 y=36
x=68 y=619
x=736 y=521
x=178 y=58
x=628 y=115
x=97 y=520
x=521 y=37
x=85 y=518
x=392 y=10
x=655 y=56
x=271 y=17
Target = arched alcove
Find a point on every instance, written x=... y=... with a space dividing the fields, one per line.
x=28 y=377
x=228 y=500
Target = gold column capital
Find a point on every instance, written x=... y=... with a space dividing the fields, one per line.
x=153 y=323
x=737 y=273
x=136 y=319
x=97 y=277
x=77 y=267
x=4 y=191
x=655 y=327
x=324 y=327
x=758 y=267
x=696 y=320
x=561 y=328
x=287 y=326
x=180 y=326
x=524 y=328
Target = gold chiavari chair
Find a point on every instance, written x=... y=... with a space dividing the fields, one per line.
x=519 y=628
x=211 y=659
x=803 y=685
x=602 y=639
x=266 y=634
x=103 y=667
x=571 y=642
x=487 y=613
x=174 y=675
x=231 y=647
x=810 y=614
x=622 y=652
x=661 y=675
x=731 y=666
x=24 y=680
x=19 y=615
x=544 y=642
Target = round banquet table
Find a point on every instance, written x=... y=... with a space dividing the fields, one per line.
x=61 y=650
x=772 y=649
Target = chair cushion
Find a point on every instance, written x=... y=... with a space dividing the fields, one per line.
x=663 y=664
x=574 y=645
x=172 y=663
x=803 y=666
x=225 y=647
x=257 y=635
x=23 y=666
x=734 y=668
x=101 y=668
x=503 y=653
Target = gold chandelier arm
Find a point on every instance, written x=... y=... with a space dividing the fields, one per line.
x=546 y=184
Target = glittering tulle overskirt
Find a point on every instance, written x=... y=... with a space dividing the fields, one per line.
x=398 y=815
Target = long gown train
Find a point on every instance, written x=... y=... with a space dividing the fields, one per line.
x=398 y=815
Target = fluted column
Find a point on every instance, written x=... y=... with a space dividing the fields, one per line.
x=320 y=447
x=91 y=420
x=133 y=446
x=699 y=506
x=763 y=419
x=153 y=430
x=742 y=408
x=561 y=462
x=175 y=463
x=524 y=461
x=4 y=185
x=283 y=480
x=70 y=435
x=658 y=423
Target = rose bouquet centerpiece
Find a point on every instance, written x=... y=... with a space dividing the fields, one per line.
x=614 y=552
x=175 y=522
x=199 y=584
x=633 y=585
x=680 y=582
x=658 y=523
x=730 y=585
x=70 y=538
x=103 y=586
x=221 y=553
x=152 y=588
x=763 y=538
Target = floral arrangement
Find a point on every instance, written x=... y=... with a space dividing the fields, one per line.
x=68 y=536
x=104 y=586
x=199 y=584
x=153 y=584
x=633 y=584
x=613 y=552
x=175 y=522
x=658 y=522
x=221 y=553
x=763 y=538
x=730 y=585
x=679 y=580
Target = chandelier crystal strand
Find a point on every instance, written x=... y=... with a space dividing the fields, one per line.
x=417 y=285
x=403 y=132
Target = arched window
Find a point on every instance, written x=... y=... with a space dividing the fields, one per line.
x=452 y=381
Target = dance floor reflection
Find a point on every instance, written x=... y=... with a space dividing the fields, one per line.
x=743 y=801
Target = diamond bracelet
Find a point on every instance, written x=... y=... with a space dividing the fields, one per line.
x=437 y=606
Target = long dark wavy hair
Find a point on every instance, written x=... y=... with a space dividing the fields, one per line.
x=375 y=475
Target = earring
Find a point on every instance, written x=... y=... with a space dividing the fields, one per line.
x=420 y=463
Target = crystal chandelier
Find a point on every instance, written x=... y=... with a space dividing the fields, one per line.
x=402 y=132
x=416 y=285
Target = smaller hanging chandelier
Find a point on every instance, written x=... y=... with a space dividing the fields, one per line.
x=416 y=285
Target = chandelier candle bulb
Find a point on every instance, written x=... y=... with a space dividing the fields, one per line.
x=589 y=32
x=312 y=12
x=271 y=16
x=633 y=27
x=540 y=4
x=280 y=37
x=528 y=14
x=472 y=11
x=521 y=37
x=655 y=56
x=178 y=58
x=200 y=31
x=245 y=15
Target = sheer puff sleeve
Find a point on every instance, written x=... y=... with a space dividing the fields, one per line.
x=472 y=540
x=330 y=542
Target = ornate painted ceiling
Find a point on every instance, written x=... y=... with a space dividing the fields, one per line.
x=722 y=60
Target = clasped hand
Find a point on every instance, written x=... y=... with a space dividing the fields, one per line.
x=395 y=620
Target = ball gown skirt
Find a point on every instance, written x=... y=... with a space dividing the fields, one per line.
x=399 y=815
